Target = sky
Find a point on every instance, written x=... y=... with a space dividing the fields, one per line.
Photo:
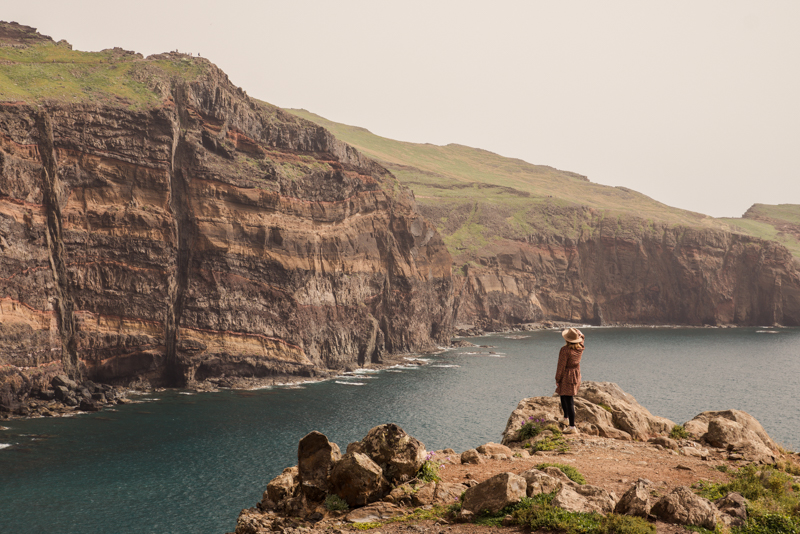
x=695 y=103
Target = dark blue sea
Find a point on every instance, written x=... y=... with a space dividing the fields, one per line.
x=188 y=463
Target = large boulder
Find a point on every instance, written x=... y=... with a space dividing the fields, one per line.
x=495 y=493
x=733 y=436
x=540 y=482
x=699 y=425
x=602 y=408
x=635 y=501
x=399 y=455
x=358 y=480
x=315 y=459
x=281 y=487
x=685 y=508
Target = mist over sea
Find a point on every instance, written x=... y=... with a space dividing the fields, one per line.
x=184 y=462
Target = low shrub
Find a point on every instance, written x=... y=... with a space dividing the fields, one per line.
x=534 y=427
x=572 y=473
x=773 y=495
x=678 y=432
x=429 y=472
x=538 y=513
x=334 y=503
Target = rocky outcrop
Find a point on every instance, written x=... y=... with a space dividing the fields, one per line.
x=362 y=479
x=601 y=408
x=623 y=269
x=736 y=431
x=202 y=235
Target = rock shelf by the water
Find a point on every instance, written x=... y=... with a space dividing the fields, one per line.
x=623 y=450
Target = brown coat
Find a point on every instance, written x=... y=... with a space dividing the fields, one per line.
x=568 y=373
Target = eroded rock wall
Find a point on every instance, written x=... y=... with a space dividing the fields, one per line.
x=210 y=235
x=633 y=272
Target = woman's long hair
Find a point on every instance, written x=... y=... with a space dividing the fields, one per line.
x=576 y=346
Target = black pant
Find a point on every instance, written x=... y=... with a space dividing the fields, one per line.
x=568 y=405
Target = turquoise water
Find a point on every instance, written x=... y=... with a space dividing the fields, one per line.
x=190 y=462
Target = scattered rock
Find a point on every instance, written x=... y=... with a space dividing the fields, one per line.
x=471 y=457
x=665 y=442
x=733 y=508
x=495 y=493
x=635 y=501
x=683 y=507
x=379 y=511
x=540 y=482
x=495 y=449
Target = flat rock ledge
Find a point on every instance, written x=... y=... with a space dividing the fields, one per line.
x=378 y=478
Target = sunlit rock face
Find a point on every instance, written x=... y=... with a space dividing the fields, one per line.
x=208 y=235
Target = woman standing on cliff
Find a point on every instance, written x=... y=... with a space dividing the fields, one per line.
x=568 y=373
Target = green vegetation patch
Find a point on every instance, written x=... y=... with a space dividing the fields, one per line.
x=49 y=71
x=538 y=513
x=774 y=497
x=678 y=432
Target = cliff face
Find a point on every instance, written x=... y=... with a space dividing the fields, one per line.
x=624 y=270
x=207 y=235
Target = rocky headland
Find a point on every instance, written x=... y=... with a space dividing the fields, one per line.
x=623 y=463
x=182 y=231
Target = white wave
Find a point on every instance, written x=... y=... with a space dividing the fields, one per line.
x=497 y=355
x=767 y=332
x=4 y=445
x=394 y=371
x=364 y=371
x=416 y=359
x=185 y=393
x=351 y=383
x=4 y=428
x=445 y=365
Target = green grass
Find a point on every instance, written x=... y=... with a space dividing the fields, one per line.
x=49 y=71
x=538 y=513
x=483 y=203
x=774 y=499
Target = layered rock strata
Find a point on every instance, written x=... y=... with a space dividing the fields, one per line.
x=209 y=235
x=628 y=271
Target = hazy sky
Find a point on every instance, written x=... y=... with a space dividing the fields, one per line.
x=694 y=103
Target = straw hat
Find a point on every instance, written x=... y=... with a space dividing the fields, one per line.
x=572 y=335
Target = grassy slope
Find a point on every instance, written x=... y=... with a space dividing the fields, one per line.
x=528 y=197
x=50 y=71
x=779 y=223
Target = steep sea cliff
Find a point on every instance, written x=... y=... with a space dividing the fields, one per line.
x=200 y=234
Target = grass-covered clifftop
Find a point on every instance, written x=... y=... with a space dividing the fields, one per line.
x=475 y=196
